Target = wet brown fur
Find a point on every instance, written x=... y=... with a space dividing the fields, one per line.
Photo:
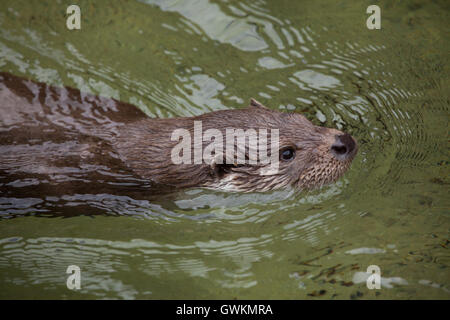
x=106 y=132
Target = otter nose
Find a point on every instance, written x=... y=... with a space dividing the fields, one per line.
x=344 y=147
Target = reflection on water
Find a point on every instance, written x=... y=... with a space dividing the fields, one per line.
x=175 y=58
x=215 y=24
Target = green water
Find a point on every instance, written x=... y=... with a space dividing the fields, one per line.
x=389 y=88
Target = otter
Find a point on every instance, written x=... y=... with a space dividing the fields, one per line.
x=64 y=138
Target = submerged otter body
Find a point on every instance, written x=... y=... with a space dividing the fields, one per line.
x=63 y=138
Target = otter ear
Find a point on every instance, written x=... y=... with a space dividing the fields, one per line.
x=257 y=104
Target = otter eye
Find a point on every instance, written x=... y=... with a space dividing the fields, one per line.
x=287 y=154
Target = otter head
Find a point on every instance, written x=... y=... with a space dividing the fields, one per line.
x=197 y=151
x=308 y=156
